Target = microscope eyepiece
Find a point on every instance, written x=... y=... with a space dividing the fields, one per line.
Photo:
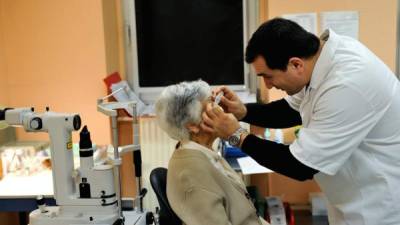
x=85 y=142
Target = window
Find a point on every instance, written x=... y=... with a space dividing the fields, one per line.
x=168 y=41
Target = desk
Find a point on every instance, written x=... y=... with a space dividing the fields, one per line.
x=18 y=193
x=304 y=217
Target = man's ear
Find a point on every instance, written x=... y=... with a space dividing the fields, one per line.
x=297 y=63
x=193 y=128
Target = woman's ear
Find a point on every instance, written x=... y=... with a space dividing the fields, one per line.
x=193 y=128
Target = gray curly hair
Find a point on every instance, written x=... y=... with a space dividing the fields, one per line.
x=179 y=105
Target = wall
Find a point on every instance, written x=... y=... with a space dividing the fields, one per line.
x=377 y=31
x=5 y=218
x=3 y=77
x=55 y=55
x=113 y=33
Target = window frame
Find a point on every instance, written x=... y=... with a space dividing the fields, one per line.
x=149 y=94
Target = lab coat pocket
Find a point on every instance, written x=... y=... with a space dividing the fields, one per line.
x=338 y=193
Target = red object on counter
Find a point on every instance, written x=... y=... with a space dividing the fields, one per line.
x=112 y=79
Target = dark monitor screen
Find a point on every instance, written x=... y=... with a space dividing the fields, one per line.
x=189 y=39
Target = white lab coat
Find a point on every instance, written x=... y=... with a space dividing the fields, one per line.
x=351 y=133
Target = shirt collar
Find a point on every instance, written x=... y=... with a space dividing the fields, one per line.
x=324 y=61
x=210 y=153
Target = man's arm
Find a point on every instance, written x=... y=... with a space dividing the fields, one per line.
x=276 y=157
x=277 y=114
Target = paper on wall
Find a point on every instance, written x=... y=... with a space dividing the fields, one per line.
x=306 y=20
x=342 y=22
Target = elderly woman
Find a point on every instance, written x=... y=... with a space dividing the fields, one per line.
x=201 y=187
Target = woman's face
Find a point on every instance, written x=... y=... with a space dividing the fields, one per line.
x=204 y=104
x=196 y=130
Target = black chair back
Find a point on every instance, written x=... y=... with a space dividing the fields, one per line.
x=158 y=180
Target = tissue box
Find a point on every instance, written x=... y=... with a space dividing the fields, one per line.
x=233 y=152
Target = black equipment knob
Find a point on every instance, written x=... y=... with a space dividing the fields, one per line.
x=77 y=122
x=137 y=160
x=149 y=218
x=36 y=123
x=3 y=113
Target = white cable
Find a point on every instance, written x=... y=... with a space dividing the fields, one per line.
x=112 y=93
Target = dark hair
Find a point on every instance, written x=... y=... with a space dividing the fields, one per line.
x=277 y=40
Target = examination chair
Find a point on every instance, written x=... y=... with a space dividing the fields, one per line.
x=158 y=180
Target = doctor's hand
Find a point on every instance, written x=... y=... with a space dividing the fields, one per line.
x=230 y=102
x=216 y=121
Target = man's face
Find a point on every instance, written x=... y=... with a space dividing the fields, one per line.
x=291 y=81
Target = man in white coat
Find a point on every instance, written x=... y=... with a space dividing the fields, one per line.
x=348 y=103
